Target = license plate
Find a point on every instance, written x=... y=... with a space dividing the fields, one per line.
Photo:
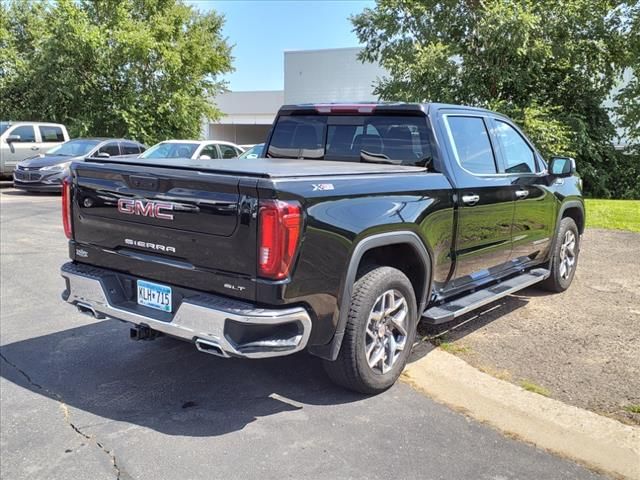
x=154 y=295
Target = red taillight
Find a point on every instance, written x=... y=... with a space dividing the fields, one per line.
x=66 y=207
x=279 y=231
x=345 y=107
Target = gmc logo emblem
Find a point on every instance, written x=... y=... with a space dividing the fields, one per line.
x=145 y=208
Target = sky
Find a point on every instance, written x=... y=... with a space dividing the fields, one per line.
x=262 y=30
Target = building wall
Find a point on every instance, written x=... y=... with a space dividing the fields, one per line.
x=333 y=75
x=239 y=134
x=247 y=116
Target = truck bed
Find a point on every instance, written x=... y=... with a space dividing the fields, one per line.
x=265 y=167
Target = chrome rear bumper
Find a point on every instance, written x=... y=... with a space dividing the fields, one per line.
x=217 y=325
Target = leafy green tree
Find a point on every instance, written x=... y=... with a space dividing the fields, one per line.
x=628 y=100
x=548 y=64
x=146 y=69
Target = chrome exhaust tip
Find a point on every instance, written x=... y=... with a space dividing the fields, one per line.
x=89 y=310
x=210 y=347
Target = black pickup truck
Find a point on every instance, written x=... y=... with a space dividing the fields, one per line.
x=363 y=220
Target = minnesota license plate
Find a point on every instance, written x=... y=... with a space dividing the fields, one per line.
x=154 y=295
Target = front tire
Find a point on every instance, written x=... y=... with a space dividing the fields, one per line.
x=380 y=331
x=564 y=259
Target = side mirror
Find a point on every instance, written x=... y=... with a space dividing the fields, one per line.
x=204 y=157
x=13 y=138
x=102 y=155
x=562 y=166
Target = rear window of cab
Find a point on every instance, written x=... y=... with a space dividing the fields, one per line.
x=392 y=139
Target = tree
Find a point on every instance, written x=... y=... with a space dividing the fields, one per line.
x=146 y=69
x=548 y=64
x=628 y=99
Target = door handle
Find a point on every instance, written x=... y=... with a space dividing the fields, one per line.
x=35 y=148
x=522 y=193
x=471 y=199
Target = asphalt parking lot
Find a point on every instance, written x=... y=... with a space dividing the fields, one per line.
x=80 y=400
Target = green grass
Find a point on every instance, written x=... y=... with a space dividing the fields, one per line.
x=632 y=408
x=535 y=388
x=613 y=214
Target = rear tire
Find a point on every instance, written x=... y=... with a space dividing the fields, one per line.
x=380 y=331
x=564 y=259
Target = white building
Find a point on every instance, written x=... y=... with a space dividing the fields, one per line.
x=310 y=76
x=333 y=75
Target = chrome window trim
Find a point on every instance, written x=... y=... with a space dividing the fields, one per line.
x=446 y=116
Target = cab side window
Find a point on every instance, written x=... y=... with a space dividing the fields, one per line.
x=211 y=151
x=110 y=148
x=51 y=134
x=129 y=148
x=26 y=132
x=471 y=144
x=518 y=155
x=228 y=151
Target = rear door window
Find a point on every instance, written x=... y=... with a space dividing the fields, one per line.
x=51 y=134
x=129 y=148
x=471 y=144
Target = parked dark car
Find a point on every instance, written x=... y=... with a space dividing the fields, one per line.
x=44 y=173
x=364 y=220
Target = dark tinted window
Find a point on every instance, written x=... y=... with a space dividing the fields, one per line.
x=518 y=155
x=298 y=136
x=129 y=148
x=51 y=134
x=26 y=132
x=227 y=151
x=110 y=148
x=471 y=144
x=374 y=138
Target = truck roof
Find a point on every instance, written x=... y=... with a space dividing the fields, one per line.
x=370 y=107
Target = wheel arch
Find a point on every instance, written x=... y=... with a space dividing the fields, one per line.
x=373 y=248
x=574 y=210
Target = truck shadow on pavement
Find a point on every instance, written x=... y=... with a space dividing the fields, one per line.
x=164 y=384
x=470 y=322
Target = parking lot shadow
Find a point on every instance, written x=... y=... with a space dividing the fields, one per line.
x=165 y=384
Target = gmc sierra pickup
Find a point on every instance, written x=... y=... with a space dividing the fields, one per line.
x=363 y=220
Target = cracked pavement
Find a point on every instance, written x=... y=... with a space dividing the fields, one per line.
x=81 y=401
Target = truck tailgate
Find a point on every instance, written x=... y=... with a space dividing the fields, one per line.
x=181 y=227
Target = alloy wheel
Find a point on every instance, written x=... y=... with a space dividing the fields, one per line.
x=386 y=332
x=567 y=254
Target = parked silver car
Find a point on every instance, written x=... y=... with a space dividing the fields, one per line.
x=20 y=140
x=193 y=149
x=44 y=173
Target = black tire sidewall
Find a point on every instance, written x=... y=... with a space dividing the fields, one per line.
x=563 y=283
x=392 y=279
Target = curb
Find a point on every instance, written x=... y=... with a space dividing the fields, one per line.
x=593 y=440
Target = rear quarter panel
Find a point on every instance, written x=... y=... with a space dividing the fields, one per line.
x=344 y=211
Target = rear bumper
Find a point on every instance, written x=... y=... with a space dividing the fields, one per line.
x=218 y=325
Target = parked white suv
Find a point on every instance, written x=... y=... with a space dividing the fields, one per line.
x=20 y=140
